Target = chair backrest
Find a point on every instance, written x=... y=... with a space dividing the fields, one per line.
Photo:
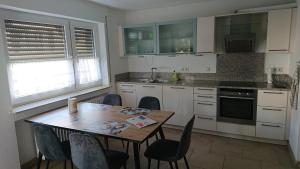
x=149 y=102
x=48 y=143
x=87 y=152
x=185 y=140
x=113 y=100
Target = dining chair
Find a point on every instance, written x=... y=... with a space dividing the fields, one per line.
x=152 y=103
x=50 y=146
x=113 y=100
x=171 y=150
x=88 y=153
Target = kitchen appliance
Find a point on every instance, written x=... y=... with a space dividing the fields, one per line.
x=237 y=105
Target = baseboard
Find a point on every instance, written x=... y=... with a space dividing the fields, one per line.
x=29 y=165
x=217 y=133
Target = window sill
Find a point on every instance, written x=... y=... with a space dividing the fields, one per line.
x=18 y=111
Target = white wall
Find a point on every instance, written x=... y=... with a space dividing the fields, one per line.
x=9 y=158
x=71 y=8
x=196 y=64
x=179 y=63
x=295 y=117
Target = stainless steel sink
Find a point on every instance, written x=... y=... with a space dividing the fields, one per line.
x=152 y=81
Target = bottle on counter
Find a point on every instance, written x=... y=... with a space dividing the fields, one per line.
x=174 y=76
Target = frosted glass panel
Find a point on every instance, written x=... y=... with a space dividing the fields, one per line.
x=140 y=40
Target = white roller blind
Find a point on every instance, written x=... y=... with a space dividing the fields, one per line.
x=38 y=63
x=88 y=67
x=26 y=40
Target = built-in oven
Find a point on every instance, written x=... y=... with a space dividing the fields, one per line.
x=237 y=105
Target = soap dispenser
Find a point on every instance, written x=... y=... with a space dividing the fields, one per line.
x=174 y=76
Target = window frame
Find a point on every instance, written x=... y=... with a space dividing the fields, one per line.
x=40 y=18
x=97 y=46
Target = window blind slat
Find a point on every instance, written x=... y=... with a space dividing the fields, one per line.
x=84 y=42
x=28 y=40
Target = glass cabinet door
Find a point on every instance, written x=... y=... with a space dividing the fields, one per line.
x=177 y=37
x=140 y=40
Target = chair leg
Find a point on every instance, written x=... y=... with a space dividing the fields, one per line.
x=65 y=164
x=127 y=147
x=171 y=165
x=47 y=164
x=147 y=143
x=149 y=163
x=158 y=164
x=123 y=144
x=156 y=136
x=72 y=164
x=106 y=143
x=176 y=165
x=186 y=162
x=125 y=166
x=39 y=160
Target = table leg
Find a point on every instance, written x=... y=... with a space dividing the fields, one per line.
x=161 y=133
x=136 y=153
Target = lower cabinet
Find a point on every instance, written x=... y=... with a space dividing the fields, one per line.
x=246 y=130
x=179 y=100
x=205 y=122
x=128 y=97
x=270 y=131
x=149 y=90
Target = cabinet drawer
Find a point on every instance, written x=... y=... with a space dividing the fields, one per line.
x=205 y=123
x=205 y=98
x=124 y=86
x=270 y=131
x=205 y=90
x=205 y=108
x=232 y=128
x=271 y=114
x=272 y=98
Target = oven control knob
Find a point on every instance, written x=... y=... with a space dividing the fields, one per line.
x=239 y=93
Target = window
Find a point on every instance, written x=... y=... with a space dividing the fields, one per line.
x=48 y=59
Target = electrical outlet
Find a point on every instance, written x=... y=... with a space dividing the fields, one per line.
x=279 y=70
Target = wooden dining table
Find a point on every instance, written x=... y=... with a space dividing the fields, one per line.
x=90 y=116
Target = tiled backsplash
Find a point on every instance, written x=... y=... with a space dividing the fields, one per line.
x=241 y=67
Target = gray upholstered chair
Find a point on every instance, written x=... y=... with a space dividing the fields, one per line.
x=113 y=100
x=88 y=153
x=50 y=146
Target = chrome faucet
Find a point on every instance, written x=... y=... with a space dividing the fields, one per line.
x=153 y=77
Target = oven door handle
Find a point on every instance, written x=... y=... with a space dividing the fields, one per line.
x=231 y=97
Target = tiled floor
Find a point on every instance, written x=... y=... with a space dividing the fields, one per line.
x=213 y=152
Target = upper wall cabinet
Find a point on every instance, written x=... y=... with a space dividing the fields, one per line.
x=279 y=30
x=205 y=35
x=140 y=40
x=177 y=37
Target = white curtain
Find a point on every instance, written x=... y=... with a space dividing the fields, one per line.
x=88 y=70
x=34 y=77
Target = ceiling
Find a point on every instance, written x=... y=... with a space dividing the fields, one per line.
x=148 y=4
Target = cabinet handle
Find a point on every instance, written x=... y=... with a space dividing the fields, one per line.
x=271 y=50
x=208 y=104
x=273 y=92
x=127 y=91
x=205 y=118
x=127 y=85
x=272 y=109
x=268 y=125
x=149 y=86
x=205 y=96
x=177 y=88
x=206 y=89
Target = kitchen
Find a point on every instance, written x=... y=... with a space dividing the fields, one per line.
x=234 y=66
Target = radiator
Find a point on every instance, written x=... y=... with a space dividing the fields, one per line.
x=98 y=100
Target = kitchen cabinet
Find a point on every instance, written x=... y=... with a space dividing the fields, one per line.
x=233 y=128
x=177 y=37
x=128 y=94
x=279 y=30
x=205 y=108
x=140 y=40
x=205 y=35
x=270 y=131
x=149 y=90
x=179 y=100
x=271 y=114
